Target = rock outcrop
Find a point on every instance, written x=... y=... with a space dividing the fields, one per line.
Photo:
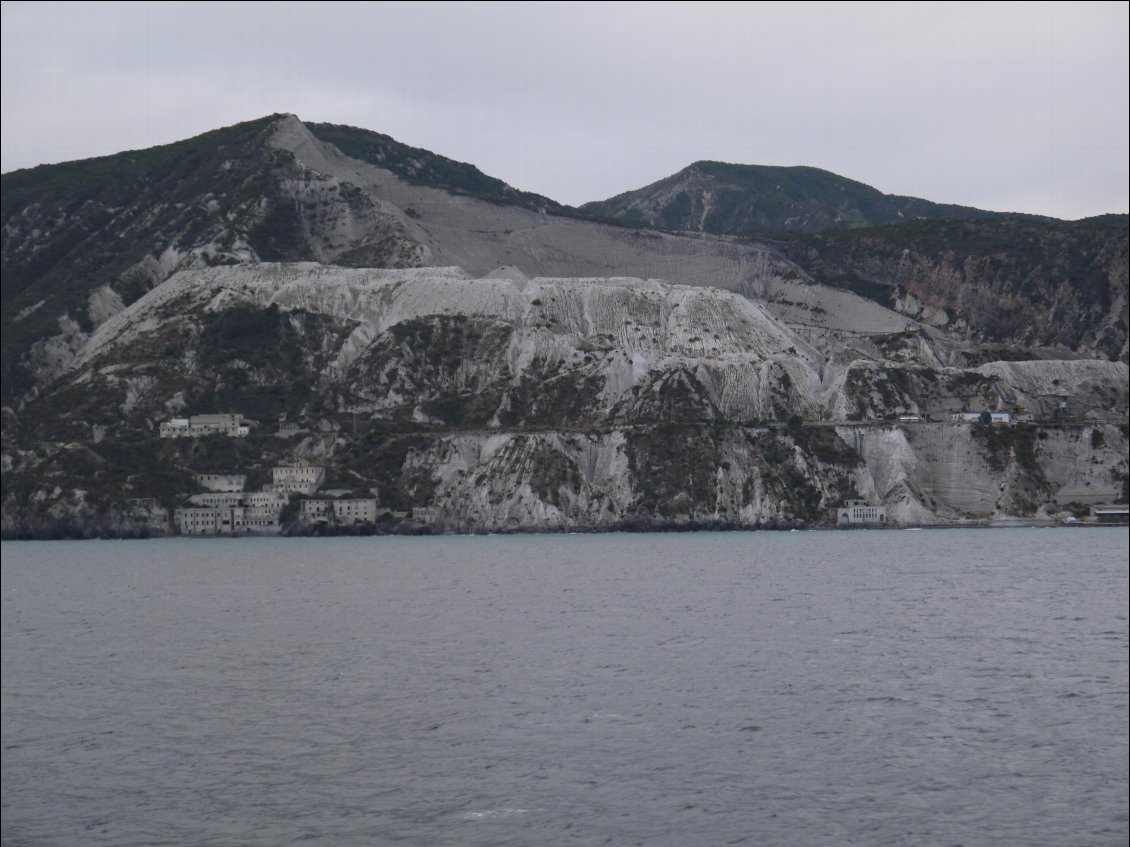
x=504 y=403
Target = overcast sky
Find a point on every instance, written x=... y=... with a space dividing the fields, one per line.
x=1013 y=107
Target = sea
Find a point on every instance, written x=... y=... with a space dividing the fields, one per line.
x=933 y=687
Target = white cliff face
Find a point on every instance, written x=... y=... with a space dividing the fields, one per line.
x=554 y=402
x=594 y=480
x=953 y=472
x=926 y=473
x=1042 y=386
x=626 y=332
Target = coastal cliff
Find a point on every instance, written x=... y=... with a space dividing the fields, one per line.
x=504 y=403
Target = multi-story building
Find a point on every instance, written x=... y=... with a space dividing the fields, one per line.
x=229 y=520
x=197 y=521
x=317 y=510
x=360 y=510
x=265 y=499
x=228 y=423
x=344 y=511
x=218 y=499
x=425 y=514
x=860 y=513
x=299 y=478
x=251 y=519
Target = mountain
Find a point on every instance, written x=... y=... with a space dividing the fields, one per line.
x=84 y=239
x=1016 y=282
x=423 y=167
x=729 y=199
x=454 y=343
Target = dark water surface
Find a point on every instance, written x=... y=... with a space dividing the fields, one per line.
x=820 y=688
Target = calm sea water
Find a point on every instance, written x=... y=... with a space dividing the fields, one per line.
x=817 y=688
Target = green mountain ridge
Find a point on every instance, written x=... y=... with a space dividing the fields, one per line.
x=735 y=199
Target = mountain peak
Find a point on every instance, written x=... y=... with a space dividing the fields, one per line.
x=726 y=198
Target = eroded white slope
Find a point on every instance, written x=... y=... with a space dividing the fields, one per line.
x=637 y=331
x=454 y=230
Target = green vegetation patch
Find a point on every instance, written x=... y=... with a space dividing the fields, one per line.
x=674 y=468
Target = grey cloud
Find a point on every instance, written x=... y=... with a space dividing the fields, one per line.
x=988 y=105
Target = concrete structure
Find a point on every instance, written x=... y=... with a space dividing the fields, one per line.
x=221 y=481
x=299 y=478
x=1111 y=514
x=425 y=514
x=252 y=519
x=227 y=423
x=264 y=500
x=233 y=520
x=358 y=510
x=317 y=510
x=860 y=513
x=998 y=418
x=288 y=429
x=197 y=521
x=218 y=499
x=345 y=511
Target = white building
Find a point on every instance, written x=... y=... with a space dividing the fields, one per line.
x=859 y=513
x=218 y=499
x=317 y=510
x=264 y=499
x=227 y=423
x=997 y=418
x=233 y=520
x=346 y=511
x=299 y=478
x=425 y=514
x=197 y=521
x=251 y=519
x=359 y=510
x=222 y=481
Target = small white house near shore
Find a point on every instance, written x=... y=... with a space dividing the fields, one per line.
x=860 y=513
